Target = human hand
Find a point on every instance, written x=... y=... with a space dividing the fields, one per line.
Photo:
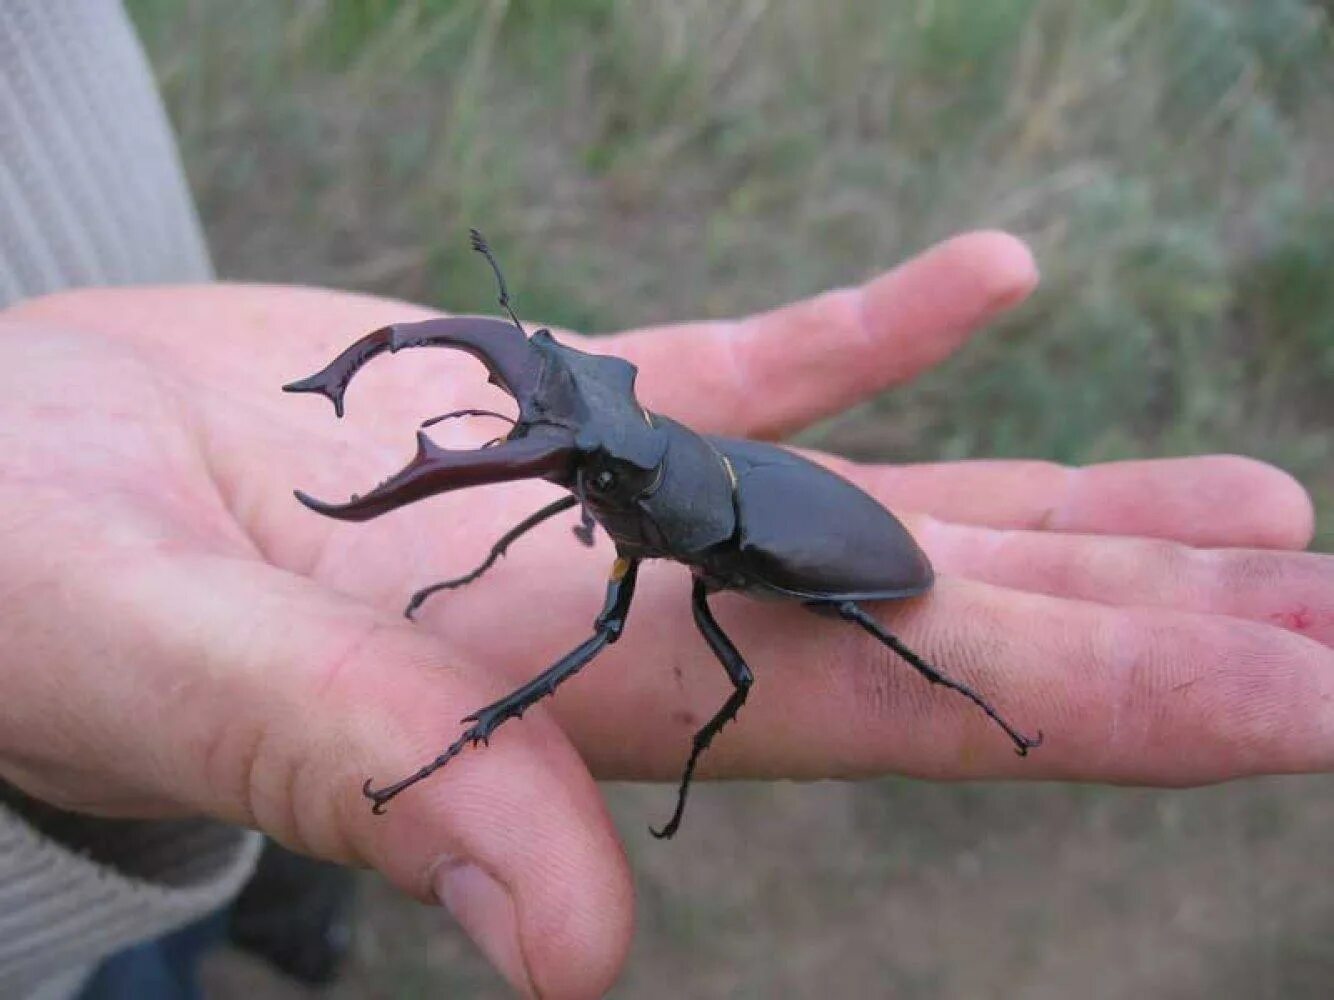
x=185 y=638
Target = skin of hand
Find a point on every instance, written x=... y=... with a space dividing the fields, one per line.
x=183 y=637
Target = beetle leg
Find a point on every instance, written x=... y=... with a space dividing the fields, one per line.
x=464 y=413
x=584 y=529
x=607 y=629
x=497 y=550
x=851 y=611
x=741 y=679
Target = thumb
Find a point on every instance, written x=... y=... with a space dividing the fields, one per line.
x=309 y=694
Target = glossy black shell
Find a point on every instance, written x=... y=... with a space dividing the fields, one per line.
x=805 y=533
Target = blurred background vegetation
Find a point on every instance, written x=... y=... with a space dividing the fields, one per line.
x=1172 y=163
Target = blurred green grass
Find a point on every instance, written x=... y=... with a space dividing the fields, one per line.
x=645 y=161
x=1172 y=163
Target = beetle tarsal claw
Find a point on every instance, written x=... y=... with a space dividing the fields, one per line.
x=1027 y=743
x=378 y=799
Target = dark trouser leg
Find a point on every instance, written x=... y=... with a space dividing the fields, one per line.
x=851 y=611
x=497 y=550
x=741 y=678
x=485 y=721
x=296 y=913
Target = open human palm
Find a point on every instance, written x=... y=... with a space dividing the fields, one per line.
x=184 y=637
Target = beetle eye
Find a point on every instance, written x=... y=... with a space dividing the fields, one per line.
x=604 y=481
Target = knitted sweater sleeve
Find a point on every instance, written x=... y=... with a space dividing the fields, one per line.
x=92 y=193
x=91 y=187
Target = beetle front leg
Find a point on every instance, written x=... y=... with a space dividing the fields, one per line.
x=485 y=721
x=853 y=612
x=741 y=679
x=497 y=550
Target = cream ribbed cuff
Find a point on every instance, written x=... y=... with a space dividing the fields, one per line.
x=91 y=187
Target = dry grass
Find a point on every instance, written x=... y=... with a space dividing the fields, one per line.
x=654 y=160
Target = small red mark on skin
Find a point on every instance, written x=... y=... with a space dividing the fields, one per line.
x=1299 y=620
x=684 y=718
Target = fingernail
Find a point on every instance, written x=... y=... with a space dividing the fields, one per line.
x=485 y=910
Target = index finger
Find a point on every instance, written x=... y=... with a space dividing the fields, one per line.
x=769 y=374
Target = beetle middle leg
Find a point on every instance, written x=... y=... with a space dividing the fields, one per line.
x=469 y=412
x=853 y=612
x=607 y=629
x=497 y=550
x=741 y=679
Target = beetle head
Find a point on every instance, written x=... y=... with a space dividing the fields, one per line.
x=579 y=423
x=618 y=450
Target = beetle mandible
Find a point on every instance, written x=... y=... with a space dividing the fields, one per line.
x=741 y=515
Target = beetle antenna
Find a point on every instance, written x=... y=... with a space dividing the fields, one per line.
x=480 y=245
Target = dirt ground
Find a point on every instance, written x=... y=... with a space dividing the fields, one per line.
x=904 y=889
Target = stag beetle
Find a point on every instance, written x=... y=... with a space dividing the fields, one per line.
x=742 y=515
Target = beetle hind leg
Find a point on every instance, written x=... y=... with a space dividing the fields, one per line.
x=853 y=612
x=741 y=680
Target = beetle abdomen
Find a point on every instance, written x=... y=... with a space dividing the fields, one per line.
x=810 y=533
